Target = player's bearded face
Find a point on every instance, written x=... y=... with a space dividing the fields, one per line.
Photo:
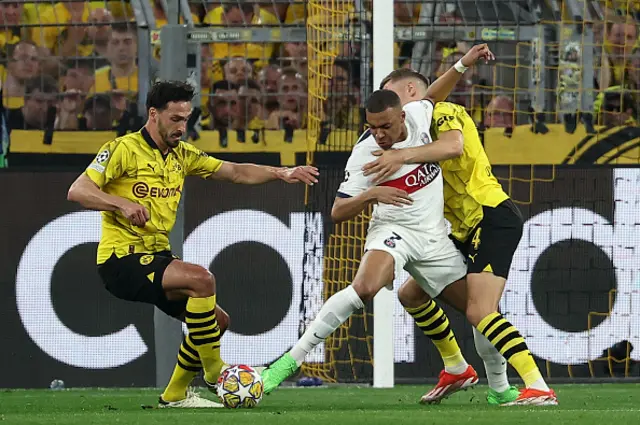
x=172 y=122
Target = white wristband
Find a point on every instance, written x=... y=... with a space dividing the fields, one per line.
x=460 y=67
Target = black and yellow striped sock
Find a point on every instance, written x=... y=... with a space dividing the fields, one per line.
x=186 y=369
x=434 y=323
x=508 y=341
x=205 y=334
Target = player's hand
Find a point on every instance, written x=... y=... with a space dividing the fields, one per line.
x=137 y=214
x=385 y=166
x=305 y=174
x=477 y=52
x=390 y=196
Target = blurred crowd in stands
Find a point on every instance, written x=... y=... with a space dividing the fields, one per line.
x=74 y=65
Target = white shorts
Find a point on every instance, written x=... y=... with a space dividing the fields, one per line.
x=434 y=264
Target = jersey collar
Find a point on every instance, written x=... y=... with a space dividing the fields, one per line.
x=147 y=138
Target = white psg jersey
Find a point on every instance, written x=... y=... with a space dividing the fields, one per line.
x=423 y=182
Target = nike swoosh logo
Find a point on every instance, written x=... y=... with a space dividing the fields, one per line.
x=316 y=335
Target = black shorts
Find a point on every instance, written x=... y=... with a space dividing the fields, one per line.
x=138 y=277
x=492 y=244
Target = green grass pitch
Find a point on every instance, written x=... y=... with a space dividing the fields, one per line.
x=592 y=404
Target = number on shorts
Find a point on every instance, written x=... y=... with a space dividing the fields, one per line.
x=476 y=239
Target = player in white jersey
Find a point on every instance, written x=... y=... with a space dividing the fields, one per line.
x=413 y=234
x=407 y=230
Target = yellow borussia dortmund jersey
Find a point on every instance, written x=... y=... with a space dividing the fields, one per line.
x=469 y=183
x=132 y=167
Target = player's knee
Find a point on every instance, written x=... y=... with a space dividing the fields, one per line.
x=204 y=283
x=411 y=295
x=365 y=291
x=223 y=318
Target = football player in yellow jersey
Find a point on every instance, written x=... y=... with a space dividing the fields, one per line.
x=487 y=227
x=136 y=181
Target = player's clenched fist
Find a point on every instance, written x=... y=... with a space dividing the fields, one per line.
x=389 y=195
x=135 y=213
x=305 y=174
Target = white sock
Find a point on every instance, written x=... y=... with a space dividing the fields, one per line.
x=335 y=311
x=494 y=364
x=539 y=384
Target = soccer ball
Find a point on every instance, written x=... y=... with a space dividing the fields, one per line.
x=240 y=386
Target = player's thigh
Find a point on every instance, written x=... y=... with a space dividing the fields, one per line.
x=182 y=280
x=493 y=243
x=138 y=277
x=435 y=272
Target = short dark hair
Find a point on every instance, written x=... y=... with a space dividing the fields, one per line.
x=122 y=27
x=251 y=84
x=245 y=7
x=223 y=85
x=401 y=74
x=87 y=64
x=381 y=100
x=163 y=92
x=97 y=101
x=43 y=84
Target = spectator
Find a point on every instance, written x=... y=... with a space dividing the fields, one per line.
x=206 y=79
x=99 y=35
x=342 y=107
x=268 y=79
x=78 y=75
x=241 y=14
x=40 y=95
x=620 y=36
x=616 y=108
x=250 y=110
x=292 y=91
x=223 y=106
x=10 y=14
x=23 y=65
x=97 y=113
x=122 y=73
x=161 y=17
x=295 y=56
x=237 y=70
x=499 y=113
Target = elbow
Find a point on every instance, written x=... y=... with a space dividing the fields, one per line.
x=336 y=217
x=72 y=193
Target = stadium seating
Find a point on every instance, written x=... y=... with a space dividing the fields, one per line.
x=66 y=61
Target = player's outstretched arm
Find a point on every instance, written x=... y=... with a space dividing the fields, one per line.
x=257 y=174
x=450 y=144
x=440 y=89
x=85 y=192
x=347 y=208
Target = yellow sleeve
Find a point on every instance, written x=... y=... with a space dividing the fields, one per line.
x=446 y=118
x=110 y=164
x=198 y=163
